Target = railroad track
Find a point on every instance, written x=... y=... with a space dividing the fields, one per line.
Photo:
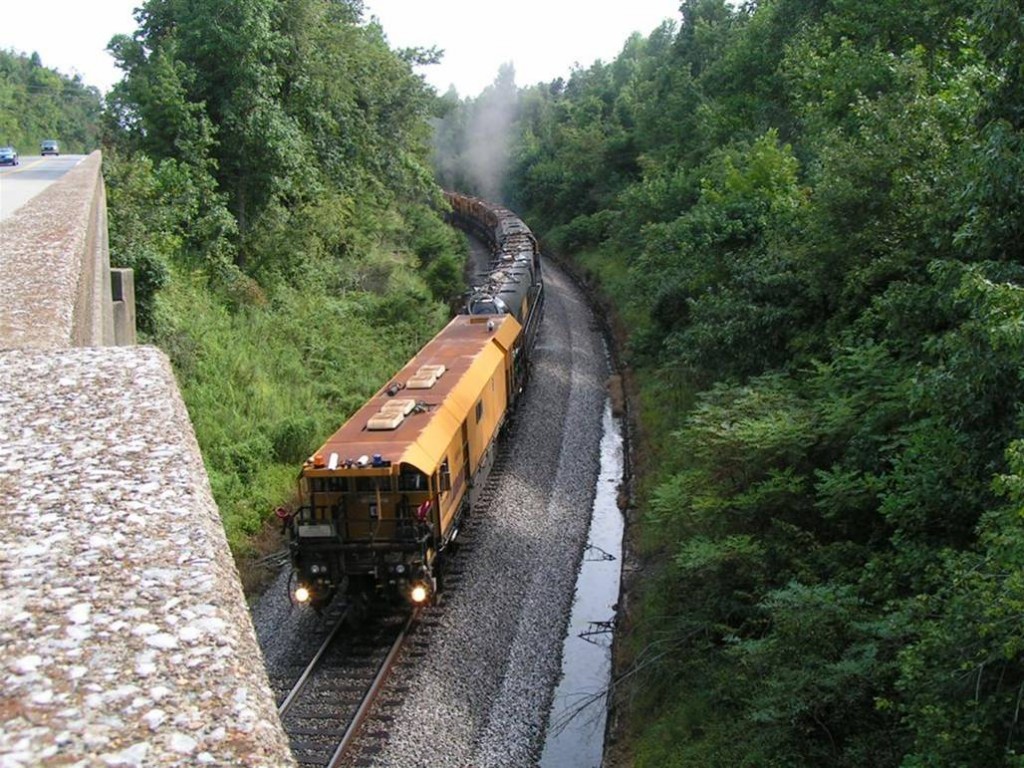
x=376 y=727
x=323 y=704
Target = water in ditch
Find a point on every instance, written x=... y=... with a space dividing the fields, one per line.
x=576 y=727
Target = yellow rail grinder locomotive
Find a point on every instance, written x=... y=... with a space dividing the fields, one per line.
x=382 y=500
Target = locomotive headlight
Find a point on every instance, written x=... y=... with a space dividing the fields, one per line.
x=418 y=594
x=315 y=569
x=302 y=595
x=399 y=568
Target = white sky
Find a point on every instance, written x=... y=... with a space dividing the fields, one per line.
x=69 y=35
x=542 y=38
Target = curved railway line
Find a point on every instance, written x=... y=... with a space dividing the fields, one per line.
x=474 y=680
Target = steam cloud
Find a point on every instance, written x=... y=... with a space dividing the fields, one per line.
x=472 y=143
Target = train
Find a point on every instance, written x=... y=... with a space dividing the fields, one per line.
x=381 y=502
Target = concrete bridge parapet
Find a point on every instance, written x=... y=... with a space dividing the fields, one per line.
x=55 y=277
x=124 y=635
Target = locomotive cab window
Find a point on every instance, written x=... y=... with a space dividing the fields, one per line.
x=371 y=484
x=479 y=411
x=328 y=484
x=445 y=474
x=412 y=480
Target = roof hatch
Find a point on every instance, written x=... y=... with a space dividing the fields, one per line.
x=425 y=377
x=391 y=414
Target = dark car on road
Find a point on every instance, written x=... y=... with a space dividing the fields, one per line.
x=49 y=147
x=8 y=156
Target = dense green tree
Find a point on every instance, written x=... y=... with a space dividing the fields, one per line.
x=38 y=103
x=809 y=214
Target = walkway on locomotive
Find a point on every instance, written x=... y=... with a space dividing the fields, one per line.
x=449 y=427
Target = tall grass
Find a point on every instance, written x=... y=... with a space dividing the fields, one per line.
x=265 y=384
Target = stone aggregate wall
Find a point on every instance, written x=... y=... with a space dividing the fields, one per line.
x=124 y=634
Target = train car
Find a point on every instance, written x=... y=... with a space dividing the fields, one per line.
x=381 y=501
x=512 y=283
x=384 y=497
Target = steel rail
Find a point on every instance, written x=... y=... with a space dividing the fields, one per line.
x=372 y=692
x=297 y=688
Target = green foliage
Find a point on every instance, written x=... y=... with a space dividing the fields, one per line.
x=961 y=679
x=142 y=232
x=809 y=216
x=281 y=103
x=441 y=252
x=160 y=214
x=266 y=385
x=38 y=103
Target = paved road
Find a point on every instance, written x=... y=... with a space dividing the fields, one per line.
x=20 y=183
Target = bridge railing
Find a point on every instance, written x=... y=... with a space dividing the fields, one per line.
x=55 y=276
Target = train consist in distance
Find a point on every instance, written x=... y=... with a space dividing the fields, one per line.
x=381 y=501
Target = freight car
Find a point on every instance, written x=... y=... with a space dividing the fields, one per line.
x=513 y=282
x=382 y=500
